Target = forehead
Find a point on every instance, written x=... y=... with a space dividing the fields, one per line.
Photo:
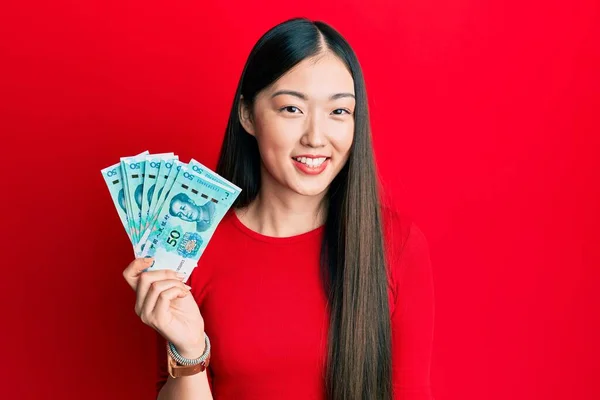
x=318 y=77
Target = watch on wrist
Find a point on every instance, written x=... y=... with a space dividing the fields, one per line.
x=179 y=366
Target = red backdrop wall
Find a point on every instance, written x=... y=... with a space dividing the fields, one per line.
x=485 y=120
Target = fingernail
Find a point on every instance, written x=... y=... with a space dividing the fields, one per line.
x=148 y=260
x=180 y=275
x=188 y=287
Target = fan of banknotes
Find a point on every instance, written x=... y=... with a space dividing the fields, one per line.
x=168 y=208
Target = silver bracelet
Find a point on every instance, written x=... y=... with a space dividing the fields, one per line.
x=187 y=361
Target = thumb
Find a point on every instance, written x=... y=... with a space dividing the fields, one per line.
x=134 y=270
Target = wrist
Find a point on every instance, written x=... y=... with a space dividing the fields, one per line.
x=193 y=350
x=182 y=364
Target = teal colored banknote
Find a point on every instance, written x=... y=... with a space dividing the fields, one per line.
x=199 y=169
x=163 y=175
x=186 y=222
x=173 y=174
x=133 y=175
x=114 y=180
x=151 y=171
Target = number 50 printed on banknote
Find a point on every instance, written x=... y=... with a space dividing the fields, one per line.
x=186 y=222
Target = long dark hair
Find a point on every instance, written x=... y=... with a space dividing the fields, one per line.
x=353 y=268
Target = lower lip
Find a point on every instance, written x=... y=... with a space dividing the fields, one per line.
x=309 y=170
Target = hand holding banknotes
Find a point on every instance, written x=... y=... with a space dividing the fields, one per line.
x=166 y=304
x=169 y=210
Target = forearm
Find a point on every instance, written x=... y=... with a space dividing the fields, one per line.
x=193 y=387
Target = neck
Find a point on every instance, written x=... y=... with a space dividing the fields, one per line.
x=283 y=213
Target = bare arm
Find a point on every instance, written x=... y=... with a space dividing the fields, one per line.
x=166 y=304
x=194 y=387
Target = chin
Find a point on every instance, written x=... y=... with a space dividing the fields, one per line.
x=306 y=190
x=311 y=186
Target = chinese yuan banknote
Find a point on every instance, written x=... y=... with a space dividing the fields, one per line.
x=169 y=209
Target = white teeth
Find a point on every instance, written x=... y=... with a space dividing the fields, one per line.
x=311 y=162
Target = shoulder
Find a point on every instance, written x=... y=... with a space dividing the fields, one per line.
x=406 y=246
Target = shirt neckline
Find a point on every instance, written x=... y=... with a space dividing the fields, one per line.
x=274 y=239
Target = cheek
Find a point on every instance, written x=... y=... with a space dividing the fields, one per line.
x=342 y=140
x=275 y=138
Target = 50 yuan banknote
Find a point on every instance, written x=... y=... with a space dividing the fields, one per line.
x=186 y=222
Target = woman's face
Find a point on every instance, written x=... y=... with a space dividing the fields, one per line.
x=304 y=124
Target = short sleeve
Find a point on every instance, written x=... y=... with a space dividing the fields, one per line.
x=412 y=318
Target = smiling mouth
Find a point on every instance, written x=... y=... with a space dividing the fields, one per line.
x=311 y=162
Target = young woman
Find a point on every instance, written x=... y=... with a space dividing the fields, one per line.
x=310 y=288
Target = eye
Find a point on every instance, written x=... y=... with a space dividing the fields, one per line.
x=341 y=111
x=291 y=109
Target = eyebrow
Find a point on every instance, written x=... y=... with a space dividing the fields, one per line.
x=305 y=97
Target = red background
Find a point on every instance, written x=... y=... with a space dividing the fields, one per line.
x=485 y=120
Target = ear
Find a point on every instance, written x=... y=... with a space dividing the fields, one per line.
x=245 y=115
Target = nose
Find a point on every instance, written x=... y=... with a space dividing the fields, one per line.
x=314 y=135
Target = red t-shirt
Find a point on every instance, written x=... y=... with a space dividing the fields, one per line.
x=265 y=312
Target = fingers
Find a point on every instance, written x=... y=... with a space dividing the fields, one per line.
x=158 y=310
x=147 y=278
x=134 y=269
x=161 y=308
x=146 y=303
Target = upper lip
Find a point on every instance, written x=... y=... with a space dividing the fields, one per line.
x=310 y=156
